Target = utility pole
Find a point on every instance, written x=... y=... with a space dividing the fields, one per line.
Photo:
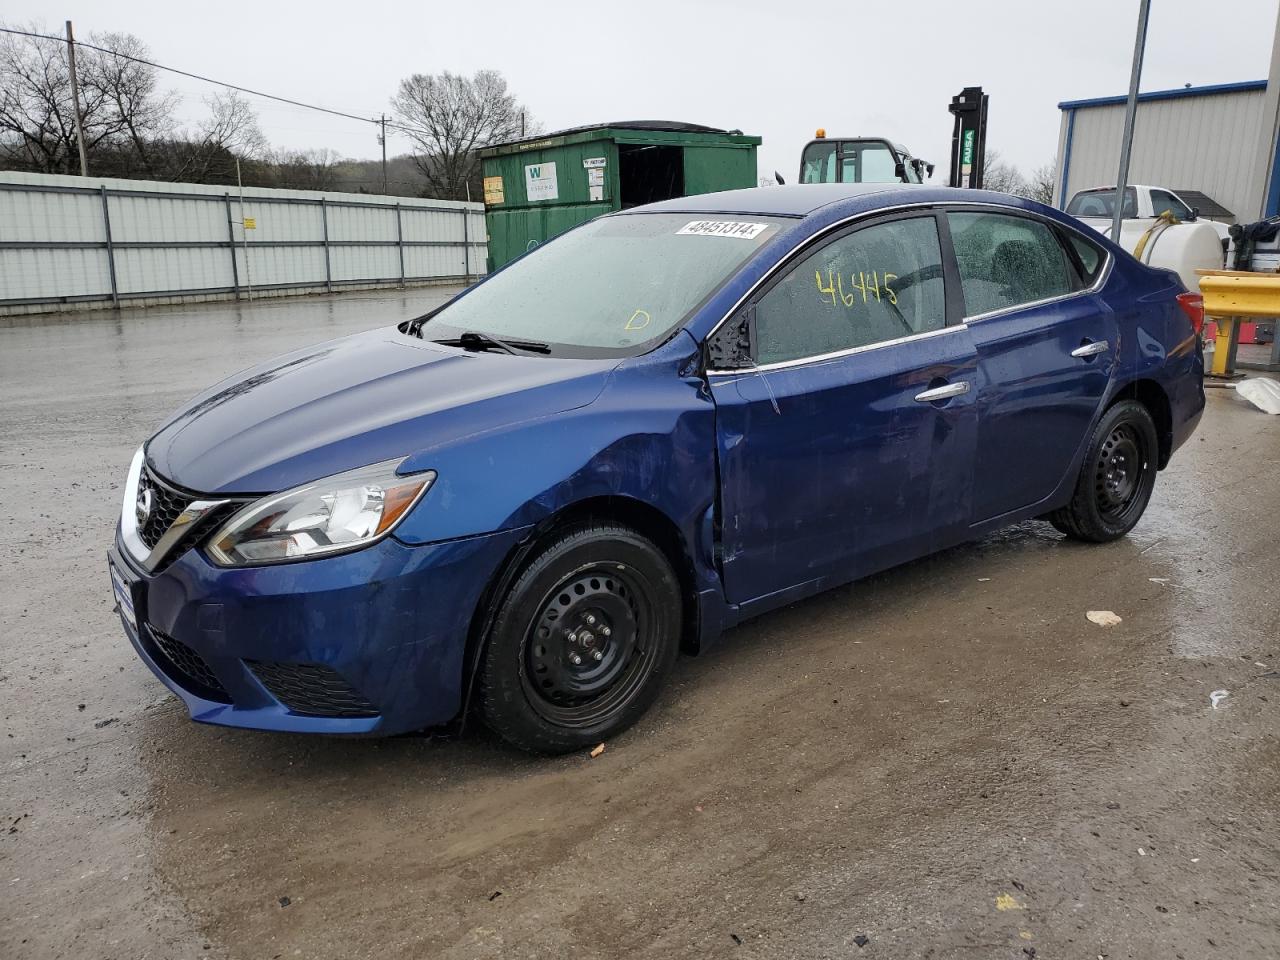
x=75 y=97
x=383 y=140
x=1130 y=114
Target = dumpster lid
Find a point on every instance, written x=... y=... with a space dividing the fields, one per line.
x=654 y=126
x=669 y=126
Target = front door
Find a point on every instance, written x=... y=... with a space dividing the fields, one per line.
x=1046 y=351
x=848 y=445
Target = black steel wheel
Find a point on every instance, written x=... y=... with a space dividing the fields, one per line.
x=1116 y=478
x=1118 y=471
x=582 y=641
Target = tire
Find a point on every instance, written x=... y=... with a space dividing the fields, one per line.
x=598 y=592
x=1116 y=478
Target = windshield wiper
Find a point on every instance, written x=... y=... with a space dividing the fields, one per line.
x=475 y=340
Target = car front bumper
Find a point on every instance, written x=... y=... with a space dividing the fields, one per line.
x=366 y=642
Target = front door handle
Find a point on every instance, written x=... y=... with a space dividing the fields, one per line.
x=1091 y=349
x=944 y=392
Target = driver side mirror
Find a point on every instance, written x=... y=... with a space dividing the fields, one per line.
x=900 y=171
x=732 y=346
x=1195 y=214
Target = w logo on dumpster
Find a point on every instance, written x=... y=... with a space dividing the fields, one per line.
x=540 y=181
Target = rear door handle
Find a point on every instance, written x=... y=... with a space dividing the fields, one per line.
x=944 y=392
x=1091 y=349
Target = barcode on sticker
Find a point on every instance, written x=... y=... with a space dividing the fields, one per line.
x=724 y=228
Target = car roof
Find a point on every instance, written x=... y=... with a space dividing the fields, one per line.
x=792 y=200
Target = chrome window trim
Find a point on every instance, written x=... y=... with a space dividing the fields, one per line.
x=823 y=357
x=1103 y=273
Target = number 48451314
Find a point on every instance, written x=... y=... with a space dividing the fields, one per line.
x=869 y=285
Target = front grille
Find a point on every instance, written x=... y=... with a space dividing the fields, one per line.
x=312 y=689
x=186 y=666
x=205 y=526
x=167 y=505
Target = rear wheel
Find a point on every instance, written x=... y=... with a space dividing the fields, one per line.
x=582 y=641
x=1116 y=478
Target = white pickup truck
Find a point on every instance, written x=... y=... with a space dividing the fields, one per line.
x=1185 y=243
x=1097 y=206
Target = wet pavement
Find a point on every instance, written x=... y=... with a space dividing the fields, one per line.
x=945 y=760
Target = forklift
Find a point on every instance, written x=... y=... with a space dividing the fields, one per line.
x=877 y=160
x=860 y=160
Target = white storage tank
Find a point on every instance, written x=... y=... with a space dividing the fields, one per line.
x=1181 y=247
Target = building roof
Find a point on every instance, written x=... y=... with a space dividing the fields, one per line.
x=1248 y=86
x=1204 y=204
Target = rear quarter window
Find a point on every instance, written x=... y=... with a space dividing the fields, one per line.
x=1088 y=257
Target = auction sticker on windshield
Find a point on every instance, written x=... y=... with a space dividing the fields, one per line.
x=723 y=228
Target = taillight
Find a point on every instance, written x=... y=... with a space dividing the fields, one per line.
x=1192 y=305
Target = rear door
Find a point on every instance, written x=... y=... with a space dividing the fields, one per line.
x=846 y=439
x=1047 y=346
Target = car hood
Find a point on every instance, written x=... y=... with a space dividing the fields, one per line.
x=358 y=400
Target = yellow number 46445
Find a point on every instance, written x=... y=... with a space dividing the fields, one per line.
x=869 y=284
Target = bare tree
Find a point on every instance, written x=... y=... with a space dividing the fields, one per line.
x=122 y=106
x=131 y=92
x=451 y=117
x=1001 y=176
x=232 y=125
x=304 y=169
x=37 y=119
x=1040 y=185
x=208 y=153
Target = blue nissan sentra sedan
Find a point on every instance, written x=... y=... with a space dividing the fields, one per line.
x=665 y=421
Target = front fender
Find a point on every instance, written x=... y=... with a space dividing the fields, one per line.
x=649 y=436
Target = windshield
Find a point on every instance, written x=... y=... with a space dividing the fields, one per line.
x=857 y=161
x=614 y=286
x=1102 y=203
x=818 y=165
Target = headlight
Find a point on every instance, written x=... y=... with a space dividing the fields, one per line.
x=329 y=516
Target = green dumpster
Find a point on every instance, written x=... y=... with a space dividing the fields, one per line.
x=537 y=188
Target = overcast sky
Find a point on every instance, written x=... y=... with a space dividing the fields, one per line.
x=885 y=68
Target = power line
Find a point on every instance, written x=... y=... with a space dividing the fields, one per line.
x=220 y=83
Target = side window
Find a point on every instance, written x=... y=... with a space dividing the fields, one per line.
x=1089 y=256
x=878 y=283
x=1006 y=261
x=1163 y=200
x=866 y=163
x=1129 y=209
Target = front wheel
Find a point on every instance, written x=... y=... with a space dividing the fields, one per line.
x=1116 y=478
x=582 y=641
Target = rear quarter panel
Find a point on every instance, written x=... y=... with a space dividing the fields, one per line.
x=1158 y=342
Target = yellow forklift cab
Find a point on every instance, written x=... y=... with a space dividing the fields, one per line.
x=860 y=160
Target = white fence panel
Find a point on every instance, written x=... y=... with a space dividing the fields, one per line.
x=46 y=274
x=187 y=268
x=71 y=241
